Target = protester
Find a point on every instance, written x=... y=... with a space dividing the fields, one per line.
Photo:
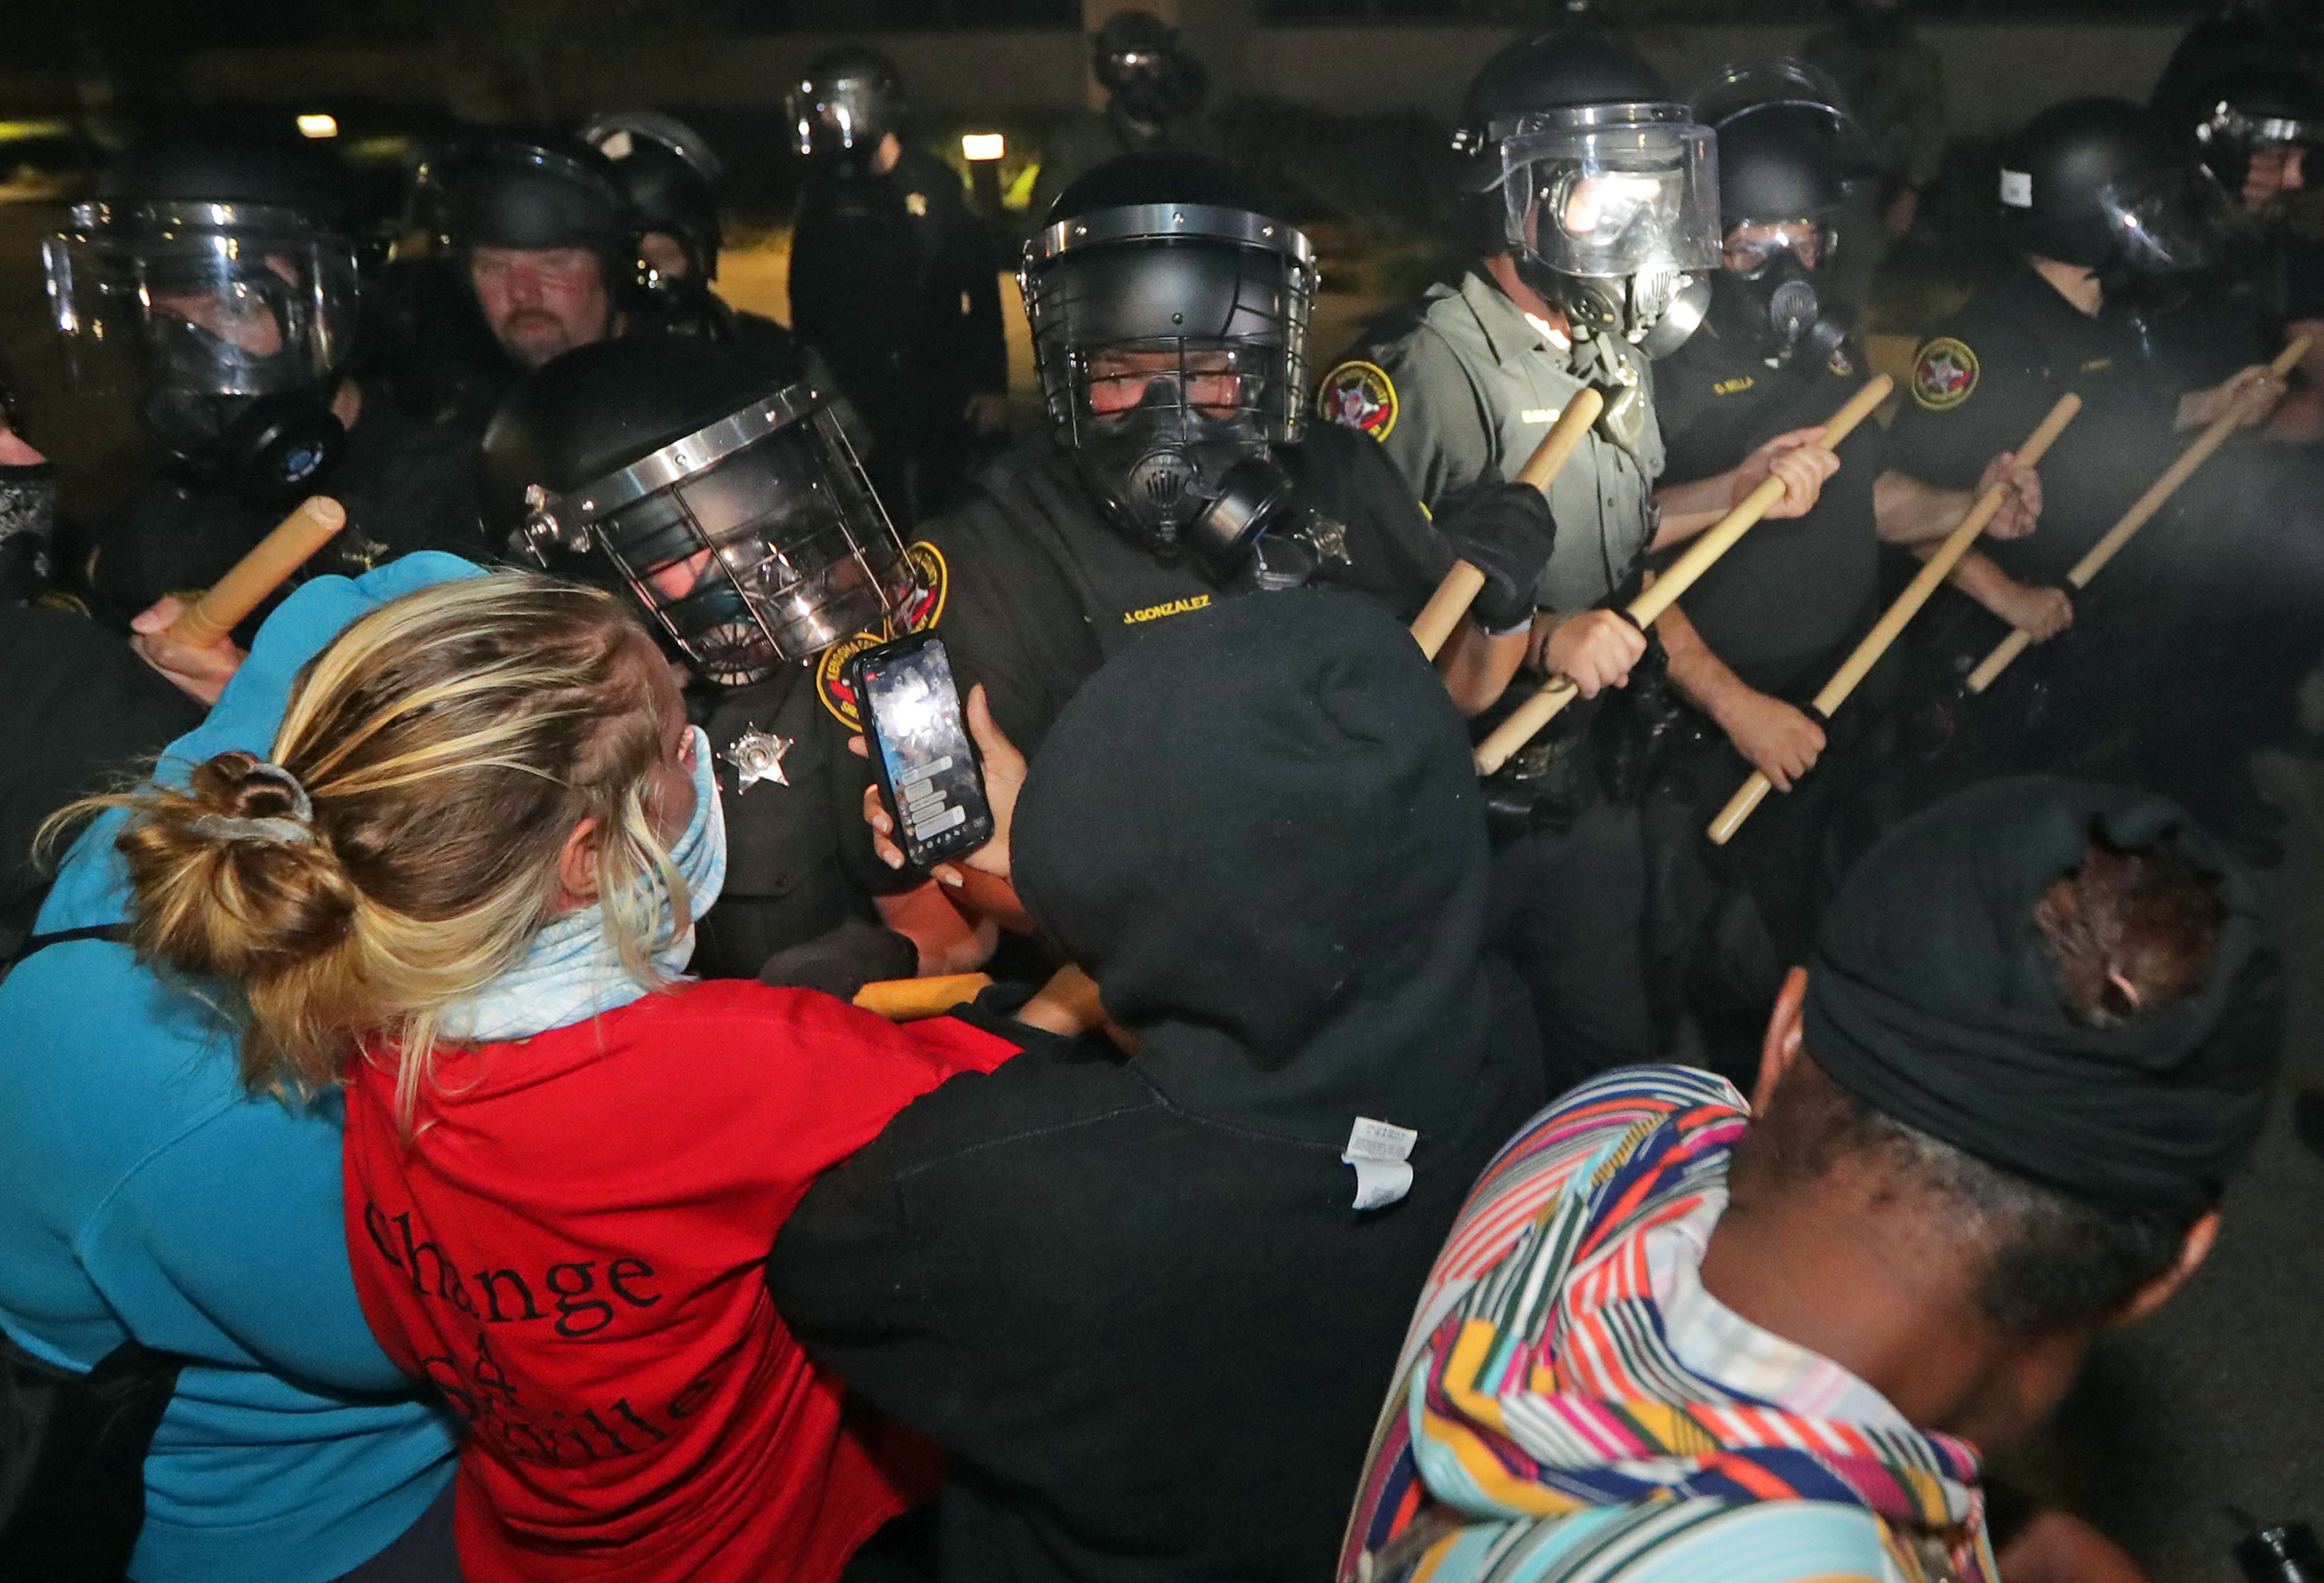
x=1674 y=1337
x=150 y=1196
x=464 y=886
x=1128 y=1293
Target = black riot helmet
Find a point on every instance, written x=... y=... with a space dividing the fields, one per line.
x=1785 y=145
x=669 y=175
x=506 y=193
x=846 y=105
x=2101 y=183
x=1608 y=188
x=733 y=512
x=1139 y=60
x=218 y=281
x=2251 y=104
x=1169 y=312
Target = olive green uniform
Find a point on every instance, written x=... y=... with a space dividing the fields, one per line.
x=1460 y=388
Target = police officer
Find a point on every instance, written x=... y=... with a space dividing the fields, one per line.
x=218 y=284
x=730 y=510
x=2099 y=205
x=669 y=173
x=1892 y=82
x=1169 y=310
x=895 y=282
x=1590 y=263
x=535 y=253
x=1774 y=617
x=2254 y=121
x=1154 y=89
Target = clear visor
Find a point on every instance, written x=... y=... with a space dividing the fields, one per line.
x=1754 y=247
x=1611 y=201
x=844 y=115
x=211 y=310
x=774 y=554
x=2174 y=220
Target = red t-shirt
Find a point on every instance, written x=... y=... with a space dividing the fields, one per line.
x=572 y=1250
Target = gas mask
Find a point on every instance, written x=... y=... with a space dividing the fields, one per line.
x=1171 y=342
x=1613 y=213
x=229 y=321
x=1770 y=301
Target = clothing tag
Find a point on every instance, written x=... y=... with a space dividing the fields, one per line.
x=2017 y=188
x=1378 y=1151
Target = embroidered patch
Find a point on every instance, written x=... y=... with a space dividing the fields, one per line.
x=1733 y=387
x=923 y=608
x=1945 y=374
x=1358 y=396
x=1155 y=612
x=1841 y=363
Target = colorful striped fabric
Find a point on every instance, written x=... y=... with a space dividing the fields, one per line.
x=1543 y=1427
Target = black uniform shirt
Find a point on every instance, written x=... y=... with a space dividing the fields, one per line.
x=799 y=855
x=2233 y=317
x=406 y=485
x=1779 y=607
x=1033 y=591
x=1983 y=384
x=897 y=284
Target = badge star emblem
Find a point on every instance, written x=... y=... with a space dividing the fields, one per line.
x=757 y=755
x=1330 y=537
x=916 y=204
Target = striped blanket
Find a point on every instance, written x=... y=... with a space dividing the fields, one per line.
x=1544 y=1427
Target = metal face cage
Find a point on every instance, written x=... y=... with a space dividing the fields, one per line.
x=1193 y=317
x=752 y=542
x=212 y=298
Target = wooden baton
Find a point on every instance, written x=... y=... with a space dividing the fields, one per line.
x=259 y=573
x=1463 y=583
x=1884 y=631
x=1716 y=540
x=910 y=1000
x=2152 y=501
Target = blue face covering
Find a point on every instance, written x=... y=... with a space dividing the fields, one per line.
x=571 y=972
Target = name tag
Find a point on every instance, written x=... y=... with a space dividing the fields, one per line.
x=1728 y=387
x=1539 y=415
x=1155 y=612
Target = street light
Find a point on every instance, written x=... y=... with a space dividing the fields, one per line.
x=319 y=126
x=977 y=147
x=982 y=151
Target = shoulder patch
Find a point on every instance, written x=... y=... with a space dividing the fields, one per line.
x=1843 y=362
x=1360 y=396
x=921 y=610
x=1944 y=374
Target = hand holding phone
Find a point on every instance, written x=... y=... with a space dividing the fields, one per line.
x=929 y=770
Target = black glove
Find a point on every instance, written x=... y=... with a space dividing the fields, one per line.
x=844 y=960
x=1504 y=531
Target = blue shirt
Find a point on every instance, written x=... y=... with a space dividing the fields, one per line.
x=142 y=1192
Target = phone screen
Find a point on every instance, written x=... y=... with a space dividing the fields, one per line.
x=935 y=785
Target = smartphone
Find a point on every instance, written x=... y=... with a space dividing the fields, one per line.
x=926 y=762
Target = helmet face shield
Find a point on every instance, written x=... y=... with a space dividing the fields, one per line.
x=755 y=541
x=2167 y=221
x=200 y=299
x=1754 y=247
x=1172 y=344
x=842 y=114
x=1611 y=191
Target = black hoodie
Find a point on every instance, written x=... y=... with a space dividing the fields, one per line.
x=1133 y=1298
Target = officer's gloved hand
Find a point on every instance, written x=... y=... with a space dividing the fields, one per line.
x=843 y=960
x=1504 y=531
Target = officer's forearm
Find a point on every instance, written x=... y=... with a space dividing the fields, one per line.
x=1478 y=667
x=1700 y=677
x=1910 y=511
x=1978 y=576
x=1687 y=509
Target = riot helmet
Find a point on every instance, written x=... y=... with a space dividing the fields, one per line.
x=844 y=107
x=1138 y=61
x=669 y=174
x=2099 y=182
x=1609 y=190
x=1786 y=144
x=1169 y=313
x=733 y=512
x=2257 y=110
x=218 y=281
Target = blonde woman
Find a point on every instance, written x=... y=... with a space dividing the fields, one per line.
x=463 y=884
